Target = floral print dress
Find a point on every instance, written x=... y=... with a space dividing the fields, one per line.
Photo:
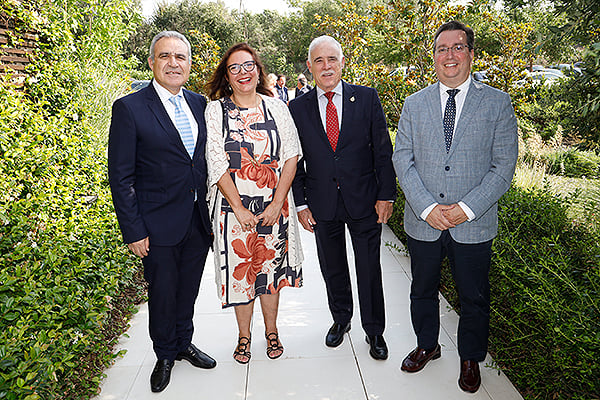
x=252 y=145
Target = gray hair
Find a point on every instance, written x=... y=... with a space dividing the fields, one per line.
x=325 y=39
x=170 y=34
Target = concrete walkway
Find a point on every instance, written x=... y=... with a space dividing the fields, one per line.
x=308 y=370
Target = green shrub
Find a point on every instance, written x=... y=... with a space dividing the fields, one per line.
x=546 y=308
x=545 y=282
x=573 y=163
x=67 y=283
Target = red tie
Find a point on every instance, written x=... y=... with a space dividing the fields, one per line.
x=331 y=120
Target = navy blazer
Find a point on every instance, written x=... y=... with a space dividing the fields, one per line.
x=152 y=177
x=361 y=166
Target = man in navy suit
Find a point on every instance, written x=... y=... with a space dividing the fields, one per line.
x=157 y=174
x=346 y=178
x=282 y=90
x=455 y=156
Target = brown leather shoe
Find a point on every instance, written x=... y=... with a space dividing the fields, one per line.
x=470 y=378
x=418 y=358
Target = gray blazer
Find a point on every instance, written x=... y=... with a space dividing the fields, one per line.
x=478 y=169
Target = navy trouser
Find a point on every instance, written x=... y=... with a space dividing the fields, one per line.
x=470 y=264
x=365 y=234
x=173 y=274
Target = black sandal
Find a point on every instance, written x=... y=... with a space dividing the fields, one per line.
x=273 y=345
x=242 y=350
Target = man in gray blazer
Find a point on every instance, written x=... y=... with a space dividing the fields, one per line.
x=455 y=156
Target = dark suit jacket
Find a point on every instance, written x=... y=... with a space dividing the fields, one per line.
x=282 y=92
x=361 y=164
x=151 y=175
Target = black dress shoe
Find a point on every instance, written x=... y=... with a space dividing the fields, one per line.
x=161 y=375
x=335 y=335
x=196 y=357
x=379 y=350
x=419 y=357
x=470 y=377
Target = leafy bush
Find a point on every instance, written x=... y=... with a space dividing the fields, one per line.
x=574 y=163
x=66 y=281
x=545 y=281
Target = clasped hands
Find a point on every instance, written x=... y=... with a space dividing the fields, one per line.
x=248 y=221
x=444 y=217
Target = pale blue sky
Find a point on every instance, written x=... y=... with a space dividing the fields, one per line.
x=256 y=6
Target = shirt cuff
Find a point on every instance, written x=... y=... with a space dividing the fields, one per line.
x=427 y=211
x=467 y=210
x=300 y=208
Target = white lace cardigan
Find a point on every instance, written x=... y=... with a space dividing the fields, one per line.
x=218 y=165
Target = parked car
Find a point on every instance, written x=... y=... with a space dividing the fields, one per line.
x=480 y=76
x=138 y=85
x=546 y=76
x=568 y=67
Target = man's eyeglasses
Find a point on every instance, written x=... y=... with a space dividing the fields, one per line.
x=457 y=48
x=248 y=66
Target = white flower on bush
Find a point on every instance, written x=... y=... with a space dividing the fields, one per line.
x=78 y=335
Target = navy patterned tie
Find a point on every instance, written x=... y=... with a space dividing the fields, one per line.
x=449 y=116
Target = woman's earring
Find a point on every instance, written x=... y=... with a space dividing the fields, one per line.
x=229 y=88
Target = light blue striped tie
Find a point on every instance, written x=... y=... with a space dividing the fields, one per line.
x=183 y=126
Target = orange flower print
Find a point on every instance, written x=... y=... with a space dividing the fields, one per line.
x=257 y=171
x=255 y=254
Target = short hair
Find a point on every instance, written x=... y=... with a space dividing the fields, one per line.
x=279 y=76
x=325 y=39
x=173 y=34
x=456 y=26
x=271 y=79
x=218 y=86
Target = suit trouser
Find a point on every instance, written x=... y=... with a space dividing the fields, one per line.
x=173 y=274
x=470 y=265
x=365 y=234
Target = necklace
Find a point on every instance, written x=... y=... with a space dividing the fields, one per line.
x=235 y=102
x=243 y=118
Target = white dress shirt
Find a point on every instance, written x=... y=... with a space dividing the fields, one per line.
x=337 y=102
x=459 y=98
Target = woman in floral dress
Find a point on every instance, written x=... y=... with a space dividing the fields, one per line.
x=252 y=151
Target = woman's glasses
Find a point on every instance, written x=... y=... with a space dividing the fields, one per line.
x=248 y=66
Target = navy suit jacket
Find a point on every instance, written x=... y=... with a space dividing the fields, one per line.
x=361 y=165
x=152 y=177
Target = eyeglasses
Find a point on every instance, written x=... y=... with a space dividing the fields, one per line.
x=457 y=48
x=248 y=66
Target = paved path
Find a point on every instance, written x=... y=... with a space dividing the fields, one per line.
x=308 y=370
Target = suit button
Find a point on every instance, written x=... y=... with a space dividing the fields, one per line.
x=442 y=195
x=447 y=168
x=336 y=158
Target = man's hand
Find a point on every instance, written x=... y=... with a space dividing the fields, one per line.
x=438 y=220
x=384 y=210
x=141 y=247
x=306 y=219
x=455 y=214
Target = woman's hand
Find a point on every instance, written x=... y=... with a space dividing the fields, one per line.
x=271 y=214
x=247 y=220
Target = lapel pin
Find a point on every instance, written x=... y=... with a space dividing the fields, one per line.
x=352 y=99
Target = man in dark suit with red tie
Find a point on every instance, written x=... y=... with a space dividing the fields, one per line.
x=345 y=178
x=157 y=174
